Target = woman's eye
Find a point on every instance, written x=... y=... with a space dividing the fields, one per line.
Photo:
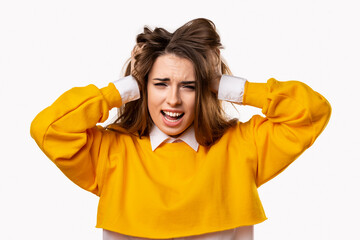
x=160 y=84
x=189 y=87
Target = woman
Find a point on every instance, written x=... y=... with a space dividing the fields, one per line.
x=172 y=165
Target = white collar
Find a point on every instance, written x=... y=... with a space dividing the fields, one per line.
x=157 y=137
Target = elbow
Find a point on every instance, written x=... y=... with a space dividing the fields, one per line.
x=37 y=131
x=328 y=111
x=325 y=113
x=321 y=118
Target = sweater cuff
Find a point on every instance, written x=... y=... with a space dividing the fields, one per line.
x=255 y=94
x=128 y=89
x=111 y=96
x=231 y=88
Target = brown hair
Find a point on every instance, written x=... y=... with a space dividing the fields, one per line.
x=198 y=42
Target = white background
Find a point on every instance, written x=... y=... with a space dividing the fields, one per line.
x=47 y=47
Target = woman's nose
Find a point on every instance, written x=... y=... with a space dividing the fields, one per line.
x=173 y=97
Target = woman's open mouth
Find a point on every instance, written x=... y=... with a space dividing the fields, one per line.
x=172 y=118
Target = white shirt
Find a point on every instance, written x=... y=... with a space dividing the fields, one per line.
x=240 y=233
x=230 y=89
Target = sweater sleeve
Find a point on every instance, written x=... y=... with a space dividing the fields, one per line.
x=295 y=117
x=67 y=132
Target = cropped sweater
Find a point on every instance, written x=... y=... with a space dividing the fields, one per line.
x=175 y=191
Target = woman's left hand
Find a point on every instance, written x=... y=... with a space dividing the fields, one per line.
x=216 y=61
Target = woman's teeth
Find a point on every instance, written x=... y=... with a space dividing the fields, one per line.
x=172 y=114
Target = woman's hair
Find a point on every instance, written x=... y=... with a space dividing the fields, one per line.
x=198 y=42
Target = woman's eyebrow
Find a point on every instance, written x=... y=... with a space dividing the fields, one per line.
x=188 y=82
x=168 y=79
x=162 y=79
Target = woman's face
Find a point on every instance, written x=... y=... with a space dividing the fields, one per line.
x=171 y=94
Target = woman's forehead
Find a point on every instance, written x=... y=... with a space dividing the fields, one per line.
x=172 y=67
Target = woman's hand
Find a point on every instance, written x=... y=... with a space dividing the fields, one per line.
x=216 y=62
x=137 y=50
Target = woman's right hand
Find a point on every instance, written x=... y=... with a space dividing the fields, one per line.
x=137 y=50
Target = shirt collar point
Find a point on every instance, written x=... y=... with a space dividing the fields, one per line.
x=157 y=137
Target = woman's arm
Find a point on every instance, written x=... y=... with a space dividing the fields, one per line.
x=67 y=132
x=295 y=117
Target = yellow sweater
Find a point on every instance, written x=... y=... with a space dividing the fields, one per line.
x=175 y=191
